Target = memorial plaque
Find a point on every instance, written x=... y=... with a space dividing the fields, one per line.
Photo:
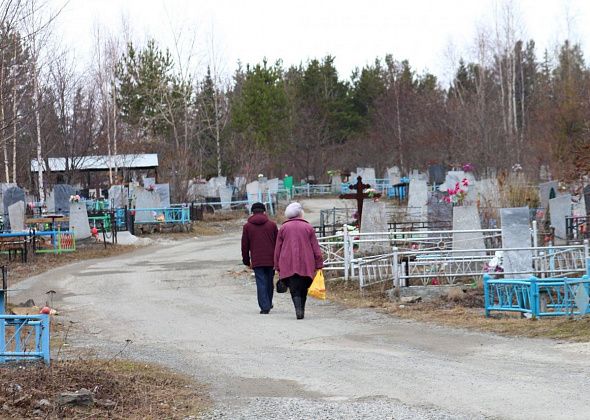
x=11 y=196
x=254 y=193
x=374 y=219
x=516 y=233
x=163 y=190
x=418 y=199
x=16 y=215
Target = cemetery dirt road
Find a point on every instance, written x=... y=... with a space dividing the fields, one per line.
x=190 y=306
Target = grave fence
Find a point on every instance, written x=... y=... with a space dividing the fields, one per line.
x=310 y=190
x=22 y=337
x=537 y=297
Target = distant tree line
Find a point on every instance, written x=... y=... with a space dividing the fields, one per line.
x=510 y=105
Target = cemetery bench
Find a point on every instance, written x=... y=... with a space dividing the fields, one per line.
x=15 y=243
x=50 y=221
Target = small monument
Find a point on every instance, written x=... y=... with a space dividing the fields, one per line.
x=560 y=208
x=418 y=199
x=16 y=215
x=11 y=196
x=394 y=175
x=374 y=219
x=118 y=196
x=359 y=196
x=516 y=233
x=79 y=220
x=145 y=199
x=547 y=191
x=467 y=218
x=368 y=174
x=225 y=195
x=163 y=190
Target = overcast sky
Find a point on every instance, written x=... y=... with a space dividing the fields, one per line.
x=355 y=32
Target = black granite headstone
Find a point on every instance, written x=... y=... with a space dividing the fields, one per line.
x=62 y=194
x=436 y=174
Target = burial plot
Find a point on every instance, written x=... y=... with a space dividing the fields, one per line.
x=560 y=208
x=11 y=196
x=374 y=219
x=467 y=218
x=16 y=215
x=516 y=233
x=547 y=191
x=79 y=221
x=146 y=200
x=418 y=199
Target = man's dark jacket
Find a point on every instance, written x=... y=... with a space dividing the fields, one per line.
x=258 y=241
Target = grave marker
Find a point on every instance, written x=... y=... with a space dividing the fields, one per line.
x=145 y=199
x=359 y=196
x=253 y=192
x=560 y=208
x=467 y=218
x=79 y=220
x=516 y=233
x=225 y=195
x=436 y=174
x=374 y=219
x=16 y=215
x=547 y=191
x=11 y=196
x=418 y=199
x=163 y=190
x=394 y=175
x=61 y=197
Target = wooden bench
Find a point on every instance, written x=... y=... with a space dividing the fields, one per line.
x=14 y=245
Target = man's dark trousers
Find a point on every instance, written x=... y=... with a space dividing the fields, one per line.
x=264 y=286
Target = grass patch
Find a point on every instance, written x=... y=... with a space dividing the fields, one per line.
x=465 y=311
x=121 y=389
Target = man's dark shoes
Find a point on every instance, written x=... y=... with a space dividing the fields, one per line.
x=265 y=312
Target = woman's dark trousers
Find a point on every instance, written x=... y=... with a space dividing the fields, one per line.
x=298 y=285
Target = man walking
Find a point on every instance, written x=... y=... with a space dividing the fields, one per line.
x=259 y=236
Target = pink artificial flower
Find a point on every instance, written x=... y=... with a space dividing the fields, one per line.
x=465 y=182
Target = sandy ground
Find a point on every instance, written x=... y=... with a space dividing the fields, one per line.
x=191 y=306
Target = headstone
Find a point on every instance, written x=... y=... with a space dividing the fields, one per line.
x=225 y=195
x=560 y=208
x=79 y=220
x=240 y=182
x=368 y=175
x=374 y=219
x=451 y=180
x=471 y=198
x=516 y=233
x=418 y=199
x=394 y=175
x=145 y=199
x=467 y=218
x=544 y=173
x=438 y=209
x=16 y=215
x=273 y=185
x=253 y=191
x=118 y=196
x=9 y=197
x=288 y=183
x=336 y=183
x=579 y=206
x=61 y=197
x=587 y=199
x=163 y=190
x=436 y=174
x=547 y=190
x=149 y=182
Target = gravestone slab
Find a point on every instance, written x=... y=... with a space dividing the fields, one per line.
x=438 y=209
x=149 y=182
x=471 y=198
x=547 y=190
x=394 y=175
x=374 y=219
x=145 y=199
x=560 y=208
x=488 y=192
x=11 y=196
x=451 y=180
x=336 y=183
x=225 y=195
x=240 y=182
x=467 y=218
x=273 y=185
x=368 y=175
x=79 y=221
x=61 y=197
x=118 y=196
x=254 y=193
x=16 y=215
x=163 y=190
x=516 y=233
x=587 y=199
x=418 y=199
x=436 y=174
x=579 y=206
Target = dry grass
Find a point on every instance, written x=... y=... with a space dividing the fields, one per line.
x=122 y=390
x=462 y=312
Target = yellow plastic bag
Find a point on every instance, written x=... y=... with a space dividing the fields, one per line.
x=318 y=286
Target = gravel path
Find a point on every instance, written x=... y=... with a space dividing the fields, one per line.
x=190 y=306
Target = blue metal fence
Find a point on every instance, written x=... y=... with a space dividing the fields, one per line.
x=164 y=215
x=538 y=297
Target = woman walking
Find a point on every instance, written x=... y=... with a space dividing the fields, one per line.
x=297 y=256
